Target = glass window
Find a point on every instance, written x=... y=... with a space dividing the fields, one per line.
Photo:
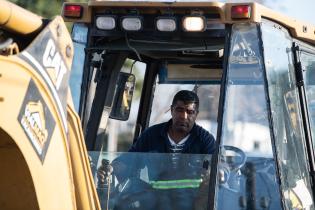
x=286 y=116
x=208 y=104
x=119 y=135
x=79 y=37
x=148 y=181
x=246 y=170
x=308 y=67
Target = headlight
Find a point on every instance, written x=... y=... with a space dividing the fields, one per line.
x=166 y=24
x=194 y=23
x=105 y=23
x=131 y=23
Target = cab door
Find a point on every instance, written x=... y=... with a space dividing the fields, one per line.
x=246 y=177
x=288 y=117
x=305 y=59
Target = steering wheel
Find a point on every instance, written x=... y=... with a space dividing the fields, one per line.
x=232 y=159
x=235 y=161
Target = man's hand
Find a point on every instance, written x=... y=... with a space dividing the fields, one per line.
x=103 y=173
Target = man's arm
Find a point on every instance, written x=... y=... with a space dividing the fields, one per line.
x=141 y=144
x=208 y=141
x=211 y=146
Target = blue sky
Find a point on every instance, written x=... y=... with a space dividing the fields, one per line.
x=303 y=10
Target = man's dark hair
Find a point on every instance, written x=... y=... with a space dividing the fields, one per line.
x=187 y=97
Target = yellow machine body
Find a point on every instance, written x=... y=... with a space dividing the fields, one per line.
x=44 y=164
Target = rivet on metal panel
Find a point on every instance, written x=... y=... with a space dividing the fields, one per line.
x=59 y=31
x=68 y=51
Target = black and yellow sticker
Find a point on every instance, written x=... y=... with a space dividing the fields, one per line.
x=36 y=120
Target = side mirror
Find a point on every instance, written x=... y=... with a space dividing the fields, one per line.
x=123 y=96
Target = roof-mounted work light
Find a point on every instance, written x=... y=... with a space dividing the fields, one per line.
x=240 y=12
x=106 y=22
x=72 y=11
x=194 y=23
x=166 y=24
x=131 y=23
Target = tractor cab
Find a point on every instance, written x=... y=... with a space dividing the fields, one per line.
x=252 y=69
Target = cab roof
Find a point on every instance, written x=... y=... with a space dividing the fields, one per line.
x=298 y=29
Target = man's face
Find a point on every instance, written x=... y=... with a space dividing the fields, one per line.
x=183 y=116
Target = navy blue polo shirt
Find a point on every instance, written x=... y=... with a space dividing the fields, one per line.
x=155 y=139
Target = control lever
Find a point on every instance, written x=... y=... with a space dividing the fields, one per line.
x=104 y=173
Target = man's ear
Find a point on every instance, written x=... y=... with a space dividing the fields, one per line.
x=172 y=109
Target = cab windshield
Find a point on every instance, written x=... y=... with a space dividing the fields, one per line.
x=248 y=101
x=154 y=180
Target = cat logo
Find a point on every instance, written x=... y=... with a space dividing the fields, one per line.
x=33 y=123
x=54 y=64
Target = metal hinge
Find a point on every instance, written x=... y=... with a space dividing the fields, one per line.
x=297 y=65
